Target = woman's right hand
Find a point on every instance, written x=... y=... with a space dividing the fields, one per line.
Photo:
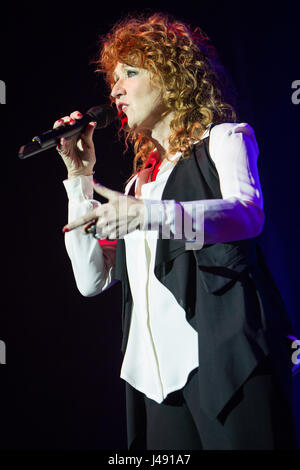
x=78 y=153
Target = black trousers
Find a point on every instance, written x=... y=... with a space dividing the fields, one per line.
x=257 y=417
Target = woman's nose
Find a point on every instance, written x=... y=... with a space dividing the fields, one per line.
x=118 y=90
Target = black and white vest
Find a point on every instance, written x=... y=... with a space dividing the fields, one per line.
x=225 y=289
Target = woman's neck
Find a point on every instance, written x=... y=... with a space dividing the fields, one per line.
x=160 y=134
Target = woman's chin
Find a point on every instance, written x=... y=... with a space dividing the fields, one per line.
x=133 y=126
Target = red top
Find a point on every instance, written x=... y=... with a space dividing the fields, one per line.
x=153 y=162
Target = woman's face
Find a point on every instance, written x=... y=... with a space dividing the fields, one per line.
x=138 y=98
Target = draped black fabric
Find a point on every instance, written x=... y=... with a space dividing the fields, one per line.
x=226 y=290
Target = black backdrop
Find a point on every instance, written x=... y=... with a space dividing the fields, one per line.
x=60 y=386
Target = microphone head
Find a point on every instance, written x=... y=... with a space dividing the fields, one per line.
x=104 y=115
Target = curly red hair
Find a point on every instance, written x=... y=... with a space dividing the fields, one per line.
x=187 y=66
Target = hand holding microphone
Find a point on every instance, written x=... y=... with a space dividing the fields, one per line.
x=77 y=154
x=73 y=138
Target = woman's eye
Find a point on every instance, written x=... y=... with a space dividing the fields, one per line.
x=131 y=73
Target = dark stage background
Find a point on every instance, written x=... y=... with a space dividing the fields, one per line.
x=60 y=386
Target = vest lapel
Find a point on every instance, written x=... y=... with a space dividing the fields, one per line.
x=192 y=179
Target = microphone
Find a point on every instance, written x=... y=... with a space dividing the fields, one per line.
x=104 y=115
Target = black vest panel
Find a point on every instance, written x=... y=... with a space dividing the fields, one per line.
x=225 y=289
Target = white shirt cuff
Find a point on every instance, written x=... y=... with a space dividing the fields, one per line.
x=79 y=189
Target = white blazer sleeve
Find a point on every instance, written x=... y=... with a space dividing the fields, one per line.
x=93 y=265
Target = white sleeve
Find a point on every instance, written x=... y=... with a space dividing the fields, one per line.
x=93 y=265
x=239 y=214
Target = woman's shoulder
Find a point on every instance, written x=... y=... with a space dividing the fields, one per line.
x=230 y=128
x=232 y=135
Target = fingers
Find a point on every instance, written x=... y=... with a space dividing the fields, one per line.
x=68 y=119
x=109 y=194
x=76 y=115
x=106 y=221
x=102 y=215
x=86 y=137
x=87 y=134
x=63 y=121
x=86 y=219
x=108 y=230
x=86 y=140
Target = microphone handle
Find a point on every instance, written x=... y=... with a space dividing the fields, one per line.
x=104 y=115
x=51 y=138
